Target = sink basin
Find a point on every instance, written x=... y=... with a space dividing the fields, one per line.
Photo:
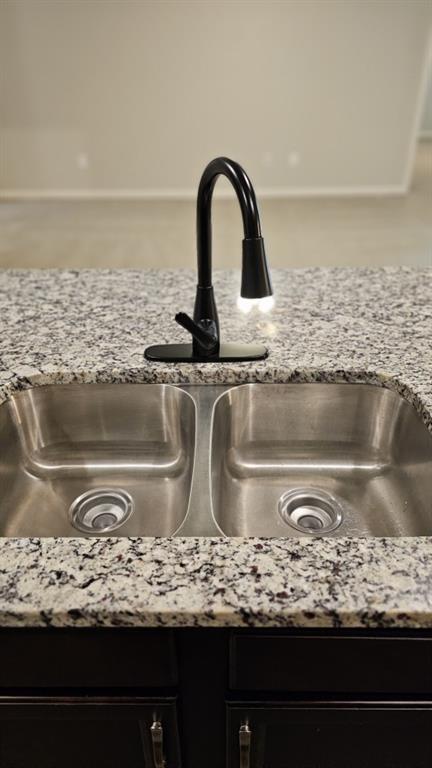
x=252 y=460
x=302 y=459
x=90 y=459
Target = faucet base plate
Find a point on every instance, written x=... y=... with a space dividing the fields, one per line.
x=183 y=353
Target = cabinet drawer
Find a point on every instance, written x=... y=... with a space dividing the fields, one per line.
x=284 y=736
x=87 y=658
x=92 y=731
x=331 y=664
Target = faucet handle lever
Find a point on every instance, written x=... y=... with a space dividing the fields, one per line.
x=204 y=331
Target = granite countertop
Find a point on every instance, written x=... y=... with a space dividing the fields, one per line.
x=367 y=325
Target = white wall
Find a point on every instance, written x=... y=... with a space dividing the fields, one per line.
x=135 y=95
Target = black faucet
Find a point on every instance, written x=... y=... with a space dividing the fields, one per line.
x=255 y=283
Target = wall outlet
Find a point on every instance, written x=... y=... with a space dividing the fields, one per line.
x=82 y=161
x=293 y=159
x=267 y=159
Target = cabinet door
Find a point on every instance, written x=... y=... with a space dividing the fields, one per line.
x=305 y=736
x=65 y=732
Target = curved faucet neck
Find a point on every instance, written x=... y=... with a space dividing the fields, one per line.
x=248 y=205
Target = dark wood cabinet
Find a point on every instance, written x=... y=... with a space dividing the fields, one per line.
x=350 y=664
x=88 y=658
x=313 y=735
x=66 y=732
x=215 y=698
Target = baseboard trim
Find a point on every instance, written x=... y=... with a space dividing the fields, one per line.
x=190 y=194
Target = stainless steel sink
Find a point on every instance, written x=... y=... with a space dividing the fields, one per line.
x=251 y=460
x=96 y=460
x=302 y=459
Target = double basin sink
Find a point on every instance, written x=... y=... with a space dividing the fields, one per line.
x=250 y=460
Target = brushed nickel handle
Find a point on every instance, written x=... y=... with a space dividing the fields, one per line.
x=156 y=732
x=245 y=737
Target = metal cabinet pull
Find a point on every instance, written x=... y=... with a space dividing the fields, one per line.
x=245 y=736
x=156 y=732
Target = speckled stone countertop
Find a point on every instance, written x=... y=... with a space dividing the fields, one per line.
x=363 y=325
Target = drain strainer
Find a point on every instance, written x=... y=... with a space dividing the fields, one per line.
x=311 y=510
x=101 y=510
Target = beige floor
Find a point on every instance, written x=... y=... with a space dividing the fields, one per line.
x=301 y=232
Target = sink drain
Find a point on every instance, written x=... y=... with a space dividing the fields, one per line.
x=310 y=510
x=101 y=510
